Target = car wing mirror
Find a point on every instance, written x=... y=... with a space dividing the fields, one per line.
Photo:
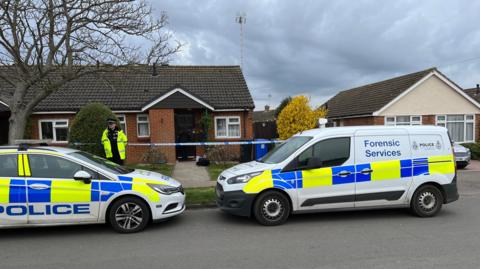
x=83 y=176
x=313 y=163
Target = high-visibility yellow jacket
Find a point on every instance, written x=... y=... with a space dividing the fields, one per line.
x=121 y=144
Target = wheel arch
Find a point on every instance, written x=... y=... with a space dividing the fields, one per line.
x=107 y=211
x=272 y=190
x=435 y=184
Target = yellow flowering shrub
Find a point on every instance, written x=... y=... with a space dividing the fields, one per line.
x=298 y=116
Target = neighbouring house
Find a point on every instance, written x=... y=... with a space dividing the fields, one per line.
x=427 y=97
x=265 y=124
x=162 y=104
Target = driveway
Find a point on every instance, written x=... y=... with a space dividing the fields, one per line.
x=210 y=239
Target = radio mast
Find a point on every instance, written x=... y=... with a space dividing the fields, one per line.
x=241 y=19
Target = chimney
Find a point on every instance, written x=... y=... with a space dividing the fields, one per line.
x=154 y=70
x=267 y=108
x=478 y=89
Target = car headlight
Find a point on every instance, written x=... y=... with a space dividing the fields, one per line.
x=242 y=178
x=165 y=189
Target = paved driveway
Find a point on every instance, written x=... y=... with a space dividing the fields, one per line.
x=210 y=239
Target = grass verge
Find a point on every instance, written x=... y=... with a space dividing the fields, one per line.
x=214 y=170
x=200 y=196
x=165 y=169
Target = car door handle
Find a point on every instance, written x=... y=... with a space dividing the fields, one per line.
x=38 y=186
x=366 y=171
x=344 y=173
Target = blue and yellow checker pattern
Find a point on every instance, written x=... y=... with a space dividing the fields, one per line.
x=16 y=190
x=383 y=170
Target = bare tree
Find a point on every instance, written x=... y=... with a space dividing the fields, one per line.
x=44 y=44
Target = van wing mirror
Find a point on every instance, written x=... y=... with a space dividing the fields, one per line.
x=313 y=163
x=83 y=176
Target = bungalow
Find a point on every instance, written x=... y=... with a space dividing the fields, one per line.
x=427 y=97
x=162 y=104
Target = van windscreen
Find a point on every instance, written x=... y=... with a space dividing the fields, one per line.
x=284 y=150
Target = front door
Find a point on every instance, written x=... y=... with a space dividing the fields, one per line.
x=54 y=196
x=331 y=184
x=13 y=201
x=184 y=132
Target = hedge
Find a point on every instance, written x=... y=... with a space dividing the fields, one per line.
x=88 y=126
x=474 y=150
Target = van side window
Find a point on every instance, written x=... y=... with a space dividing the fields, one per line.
x=331 y=152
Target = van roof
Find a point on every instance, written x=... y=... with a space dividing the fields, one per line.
x=350 y=130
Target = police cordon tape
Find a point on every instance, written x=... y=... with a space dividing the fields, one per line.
x=194 y=143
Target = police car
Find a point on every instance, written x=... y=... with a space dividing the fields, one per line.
x=57 y=186
x=344 y=168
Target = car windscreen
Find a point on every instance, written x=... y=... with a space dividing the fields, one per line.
x=284 y=150
x=101 y=163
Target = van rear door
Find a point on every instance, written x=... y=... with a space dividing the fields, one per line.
x=383 y=167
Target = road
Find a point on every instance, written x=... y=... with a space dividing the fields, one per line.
x=210 y=239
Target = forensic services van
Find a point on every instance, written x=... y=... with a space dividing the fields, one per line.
x=344 y=168
x=58 y=186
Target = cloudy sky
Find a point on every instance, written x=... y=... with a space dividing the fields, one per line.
x=318 y=48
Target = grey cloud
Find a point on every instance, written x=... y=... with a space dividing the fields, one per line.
x=318 y=48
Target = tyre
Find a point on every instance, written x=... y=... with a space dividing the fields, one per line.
x=427 y=201
x=129 y=215
x=272 y=208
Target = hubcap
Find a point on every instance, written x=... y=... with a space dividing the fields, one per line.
x=272 y=209
x=129 y=216
x=427 y=201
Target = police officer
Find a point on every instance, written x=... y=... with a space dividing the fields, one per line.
x=114 y=142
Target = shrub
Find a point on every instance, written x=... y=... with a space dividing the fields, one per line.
x=298 y=116
x=474 y=150
x=88 y=126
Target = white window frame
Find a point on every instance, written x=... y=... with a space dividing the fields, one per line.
x=147 y=122
x=124 y=122
x=394 y=122
x=53 y=121
x=465 y=121
x=227 y=124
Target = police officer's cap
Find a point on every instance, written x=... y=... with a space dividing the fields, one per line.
x=111 y=120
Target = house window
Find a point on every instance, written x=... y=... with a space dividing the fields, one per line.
x=55 y=130
x=123 y=123
x=143 y=126
x=227 y=127
x=460 y=127
x=403 y=120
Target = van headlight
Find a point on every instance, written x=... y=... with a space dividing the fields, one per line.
x=165 y=189
x=242 y=178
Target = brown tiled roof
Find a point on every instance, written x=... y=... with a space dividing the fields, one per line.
x=222 y=87
x=262 y=116
x=472 y=92
x=365 y=100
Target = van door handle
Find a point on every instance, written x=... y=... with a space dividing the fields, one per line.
x=38 y=186
x=344 y=173
x=366 y=171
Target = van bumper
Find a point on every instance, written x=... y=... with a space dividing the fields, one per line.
x=234 y=202
x=451 y=191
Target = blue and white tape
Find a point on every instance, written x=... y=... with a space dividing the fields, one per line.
x=195 y=143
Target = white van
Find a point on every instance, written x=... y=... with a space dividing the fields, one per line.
x=344 y=168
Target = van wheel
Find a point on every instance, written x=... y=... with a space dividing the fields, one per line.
x=427 y=201
x=271 y=208
x=128 y=215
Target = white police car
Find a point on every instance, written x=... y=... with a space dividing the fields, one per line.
x=57 y=186
x=345 y=168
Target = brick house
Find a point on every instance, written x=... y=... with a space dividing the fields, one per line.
x=427 y=97
x=162 y=104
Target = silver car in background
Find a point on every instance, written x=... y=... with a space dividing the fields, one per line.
x=462 y=155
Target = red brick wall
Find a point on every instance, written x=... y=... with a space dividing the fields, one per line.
x=428 y=120
x=162 y=130
x=477 y=127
